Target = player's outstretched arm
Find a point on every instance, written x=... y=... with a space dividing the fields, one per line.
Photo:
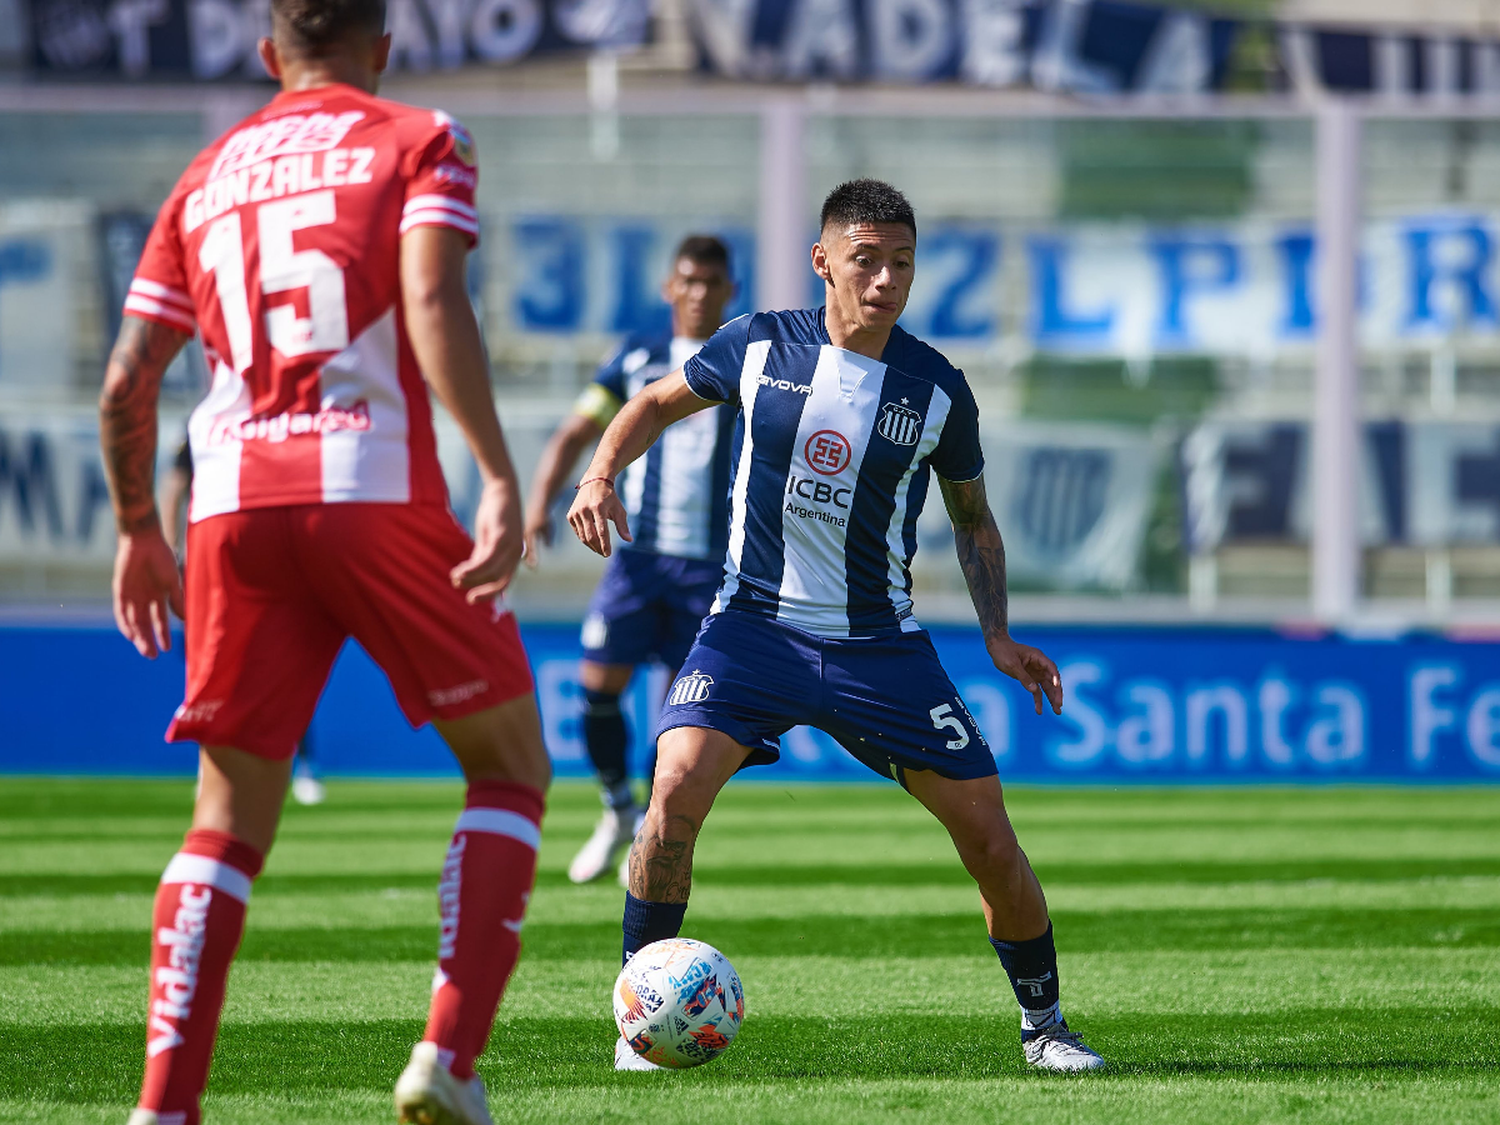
x=445 y=339
x=634 y=430
x=570 y=439
x=981 y=554
x=146 y=581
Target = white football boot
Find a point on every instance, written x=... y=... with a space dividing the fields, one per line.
x=599 y=856
x=627 y=1059
x=1057 y=1048
x=427 y=1094
x=140 y=1116
x=308 y=790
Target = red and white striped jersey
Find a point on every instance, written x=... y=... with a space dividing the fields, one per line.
x=280 y=244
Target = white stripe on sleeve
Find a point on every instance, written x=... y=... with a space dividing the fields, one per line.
x=756 y=355
x=161 y=292
x=187 y=868
x=170 y=313
x=434 y=218
x=439 y=203
x=500 y=822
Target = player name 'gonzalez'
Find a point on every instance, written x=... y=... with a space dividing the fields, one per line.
x=272 y=178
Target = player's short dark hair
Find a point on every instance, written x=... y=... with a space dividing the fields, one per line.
x=867 y=201
x=315 y=26
x=703 y=250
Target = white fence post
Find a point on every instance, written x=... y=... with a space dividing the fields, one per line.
x=782 y=264
x=1336 y=431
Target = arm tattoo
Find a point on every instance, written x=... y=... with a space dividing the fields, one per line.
x=981 y=553
x=127 y=417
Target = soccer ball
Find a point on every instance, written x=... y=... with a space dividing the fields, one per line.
x=679 y=1003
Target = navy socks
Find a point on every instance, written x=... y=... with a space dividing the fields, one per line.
x=1032 y=968
x=646 y=922
x=605 y=737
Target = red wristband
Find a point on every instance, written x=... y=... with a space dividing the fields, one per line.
x=607 y=480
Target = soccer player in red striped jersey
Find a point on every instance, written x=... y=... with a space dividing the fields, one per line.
x=319 y=248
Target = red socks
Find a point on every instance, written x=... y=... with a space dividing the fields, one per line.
x=200 y=916
x=195 y=930
x=482 y=895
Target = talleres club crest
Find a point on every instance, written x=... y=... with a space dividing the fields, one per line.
x=692 y=688
x=899 y=424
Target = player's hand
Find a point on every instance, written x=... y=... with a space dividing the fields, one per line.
x=538 y=532
x=1032 y=667
x=594 y=508
x=146 y=585
x=499 y=543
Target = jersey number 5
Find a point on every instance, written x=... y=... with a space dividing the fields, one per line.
x=943 y=718
x=283 y=268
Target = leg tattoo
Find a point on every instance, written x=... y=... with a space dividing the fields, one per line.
x=661 y=868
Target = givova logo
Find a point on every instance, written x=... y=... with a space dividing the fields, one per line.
x=784 y=384
x=692 y=688
x=899 y=425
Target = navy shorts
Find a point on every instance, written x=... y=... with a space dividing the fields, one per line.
x=884 y=699
x=648 y=606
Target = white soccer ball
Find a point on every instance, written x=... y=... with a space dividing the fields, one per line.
x=679 y=1003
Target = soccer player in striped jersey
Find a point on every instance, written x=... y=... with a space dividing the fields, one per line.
x=845 y=417
x=319 y=248
x=657 y=589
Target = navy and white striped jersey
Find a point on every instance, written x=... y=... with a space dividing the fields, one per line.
x=677 y=496
x=833 y=455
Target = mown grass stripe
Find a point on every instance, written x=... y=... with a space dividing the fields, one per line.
x=830 y=935
x=1466 y=898
x=1052 y=873
x=62 y=797
x=298 y=1057
x=1304 y=983
x=344 y=823
x=1376 y=1097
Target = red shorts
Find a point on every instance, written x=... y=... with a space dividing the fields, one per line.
x=273 y=593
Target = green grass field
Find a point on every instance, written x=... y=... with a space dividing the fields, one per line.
x=1254 y=955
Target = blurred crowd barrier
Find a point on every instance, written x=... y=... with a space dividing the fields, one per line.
x=1132 y=295
x=1094 y=47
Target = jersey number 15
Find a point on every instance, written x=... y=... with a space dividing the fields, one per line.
x=282 y=269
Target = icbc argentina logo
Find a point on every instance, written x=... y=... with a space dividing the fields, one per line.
x=827 y=452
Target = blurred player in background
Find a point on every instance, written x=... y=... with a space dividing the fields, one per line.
x=319 y=247
x=176 y=491
x=656 y=591
x=846 y=418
